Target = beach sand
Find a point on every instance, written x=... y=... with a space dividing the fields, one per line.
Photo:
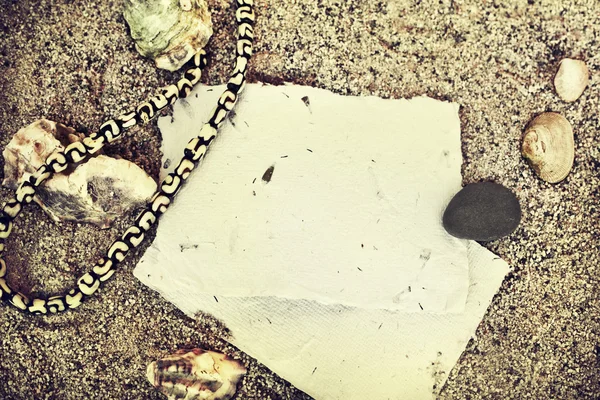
x=75 y=63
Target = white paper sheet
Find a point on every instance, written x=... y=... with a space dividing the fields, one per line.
x=330 y=351
x=334 y=352
x=351 y=213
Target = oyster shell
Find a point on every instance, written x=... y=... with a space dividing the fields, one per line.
x=30 y=147
x=168 y=31
x=97 y=191
x=196 y=374
x=549 y=147
x=571 y=79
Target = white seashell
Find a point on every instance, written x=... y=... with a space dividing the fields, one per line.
x=169 y=31
x=97 y=191
x=30 y=147
x=571 y=79
x=196 y=374
x=549 y=147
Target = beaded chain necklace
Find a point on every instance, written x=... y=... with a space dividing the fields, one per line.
x=110 y=131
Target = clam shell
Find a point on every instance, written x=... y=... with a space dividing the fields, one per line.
x=549 y=147
x=168 y=31
x=196 y=374
x=97 y=191
x=571 y=79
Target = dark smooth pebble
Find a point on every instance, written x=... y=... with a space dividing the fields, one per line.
x=482 y=211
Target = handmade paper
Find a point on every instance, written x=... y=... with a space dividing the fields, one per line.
x=310 y=195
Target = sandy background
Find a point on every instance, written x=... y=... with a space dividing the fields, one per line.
x=74 y=63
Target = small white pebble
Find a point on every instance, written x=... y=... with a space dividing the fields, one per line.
x=571 y=79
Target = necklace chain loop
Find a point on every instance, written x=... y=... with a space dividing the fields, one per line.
x=110 y=131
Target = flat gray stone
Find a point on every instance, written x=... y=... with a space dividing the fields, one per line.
x=482 y=211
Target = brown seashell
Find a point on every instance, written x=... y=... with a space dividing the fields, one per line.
x=196 y=374
x=571 y=79
x=549 y=147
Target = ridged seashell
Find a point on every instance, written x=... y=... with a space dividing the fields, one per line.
x=571 y=79
x=549 y=147
x=97 y=191
x=168 y=31
x=196 y=374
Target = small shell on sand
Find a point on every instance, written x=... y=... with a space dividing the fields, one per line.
x=168 y=31
x=196 y=374
x=30 y=147
x=549 y=147
x=97 y=191
x=571 y=79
